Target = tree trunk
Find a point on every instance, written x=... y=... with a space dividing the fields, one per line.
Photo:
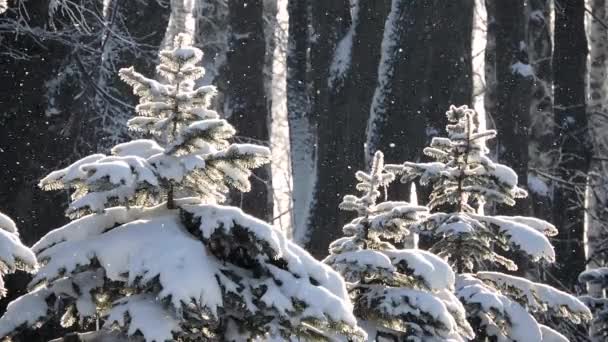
x=302 y=130
x=569 y=68
x=342 y=128
x=211 y=36
x=330 y=22
x=181 y=20
x=397 y=123
x=490 y=96
x=597 y=183
x=246 y=98
x=514 y=81
x=425 y=67
x=451 y=68
x=542 y=138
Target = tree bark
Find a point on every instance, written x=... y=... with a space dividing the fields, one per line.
x=451 y=68
x=302 y=131
x=342 y=127
x=542 y=126
x=397 y=123
x=330 y=22
x=597 y=182
x=425 y=67
x=246 y=98
x=569 y=75
x=514 y=82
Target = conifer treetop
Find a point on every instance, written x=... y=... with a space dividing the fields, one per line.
x=462 y=172
x=387 y=219
x=397 y=293
x=463 y=180
x=189 y=152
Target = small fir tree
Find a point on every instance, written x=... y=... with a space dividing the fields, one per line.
x=399 y=294
x=13 y=254
x=499 y=306
x=597 y=278
x=155 y=257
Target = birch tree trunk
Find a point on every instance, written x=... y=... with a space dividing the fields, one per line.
x=302 y=131
x=597 y=183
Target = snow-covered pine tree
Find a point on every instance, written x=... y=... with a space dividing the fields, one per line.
x=399 y=294
x=463 y=179
x=155 y=257
x=597 y=278
x=13 y=254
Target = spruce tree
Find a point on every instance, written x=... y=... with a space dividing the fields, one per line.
x=152 y=255
x=463 y=180
x=399 y=294
x=13 y=254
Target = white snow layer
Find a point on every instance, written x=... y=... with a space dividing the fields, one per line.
x=330 y=296
x=25 y=310
x=95 y=224
x=435 y=272
x=538 y=185
x=147 y=316
x=517 y=325
x=522 y=69
x=386 y=68
x=538 y=296
x=550 y=335
x=524 y=234
x=140 y=251
x=144 y=148
x=13 y=253
x=139 y=246
x=6 y=223
x=343 y=56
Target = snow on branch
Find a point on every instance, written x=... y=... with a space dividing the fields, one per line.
x=174 y=276
x=539 y=297
x=499 y=316
x=14 y=255
x=396 y=292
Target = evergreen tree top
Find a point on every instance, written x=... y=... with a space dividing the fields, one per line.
x=386 y=220
x=462 y=172
x=188 y=153
x=398 y=293
x=463 y=180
